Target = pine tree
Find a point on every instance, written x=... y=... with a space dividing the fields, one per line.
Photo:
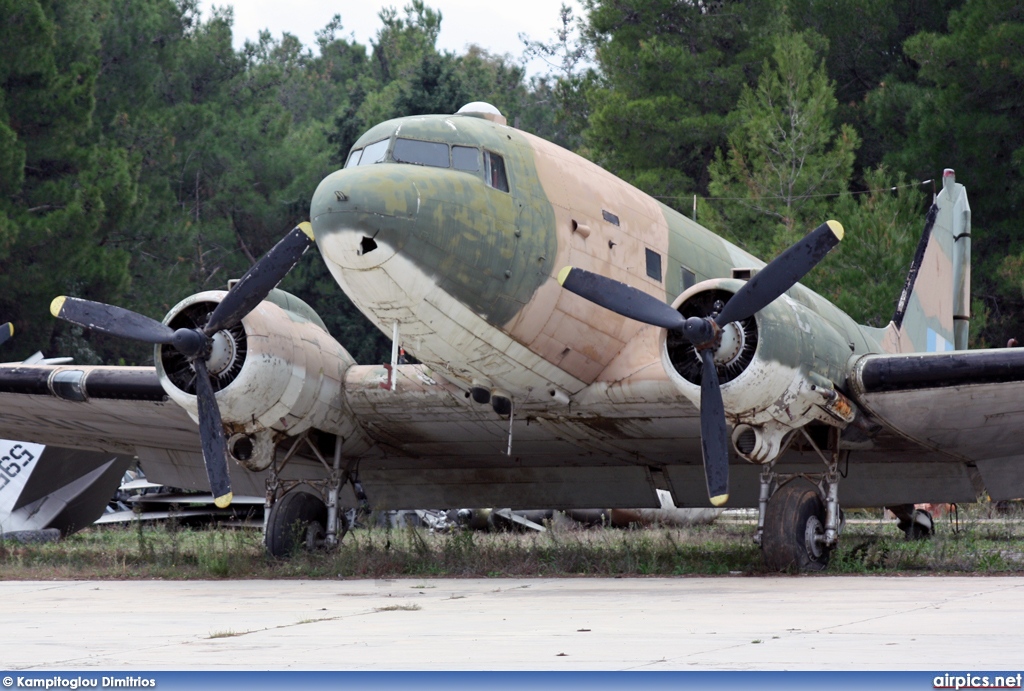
x=784 y=157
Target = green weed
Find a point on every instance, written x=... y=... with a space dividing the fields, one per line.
x=176 y=551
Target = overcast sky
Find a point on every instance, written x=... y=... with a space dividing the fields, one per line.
x=492 y=24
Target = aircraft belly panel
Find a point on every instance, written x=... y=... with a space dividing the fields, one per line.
x=870 y=482
x=516 y=488
x=1003 y=477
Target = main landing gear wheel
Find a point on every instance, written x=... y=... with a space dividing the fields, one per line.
x=794 y=530
x=296 y=519
x=919 y=526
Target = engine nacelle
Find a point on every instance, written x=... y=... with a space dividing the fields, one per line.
x=276 y=374
x=776 y=369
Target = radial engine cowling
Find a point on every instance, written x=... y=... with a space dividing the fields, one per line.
x=776 y=368
x=277 y=374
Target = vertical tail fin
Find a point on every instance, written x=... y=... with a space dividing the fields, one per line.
x=934 y=310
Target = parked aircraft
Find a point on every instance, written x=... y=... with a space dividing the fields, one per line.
x=455 y=234
x=47 y=491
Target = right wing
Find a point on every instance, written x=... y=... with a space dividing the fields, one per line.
x=98 y=408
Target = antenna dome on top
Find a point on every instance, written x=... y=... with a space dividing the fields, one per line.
x=483 y=110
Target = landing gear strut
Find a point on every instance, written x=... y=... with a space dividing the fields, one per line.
x=297 y=516
x=799 y=519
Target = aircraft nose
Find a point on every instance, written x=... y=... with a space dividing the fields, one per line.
x=362 y=216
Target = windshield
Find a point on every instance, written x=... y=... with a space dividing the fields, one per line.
x=422 y=153
x=465 y=158
x=435 y=154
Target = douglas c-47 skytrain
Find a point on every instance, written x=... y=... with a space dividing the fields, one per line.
x=581 y=345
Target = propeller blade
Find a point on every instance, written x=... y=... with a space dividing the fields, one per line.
x=211 y=431
x=6 y=331
x=260 y=279
x=116 y=321
x=620 y=298
x=714 y=440
x=781 y=273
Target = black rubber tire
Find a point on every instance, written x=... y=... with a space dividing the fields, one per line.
x=916 y=531
x=289 y=521
x=794 y=513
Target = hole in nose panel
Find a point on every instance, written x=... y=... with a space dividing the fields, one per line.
x=367 y=245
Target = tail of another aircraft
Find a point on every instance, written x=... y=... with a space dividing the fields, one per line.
x=933 y=313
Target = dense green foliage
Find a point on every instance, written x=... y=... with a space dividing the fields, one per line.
x=143 y=158
x=783 y=113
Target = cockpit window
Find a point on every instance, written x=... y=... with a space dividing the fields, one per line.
x=374 y=153
x=465 y=158
x=494 y=171
x=422 y=153
x=353 y=158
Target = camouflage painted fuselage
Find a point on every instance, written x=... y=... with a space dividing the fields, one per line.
x=469 y=271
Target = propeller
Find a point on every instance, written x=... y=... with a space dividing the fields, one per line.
x=6 y=331
x=704 y=333
x=196 y=343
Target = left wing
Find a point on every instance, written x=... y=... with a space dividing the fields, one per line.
x=968 y=405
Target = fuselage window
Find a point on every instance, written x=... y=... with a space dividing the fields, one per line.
x=654 y=265
x=374 y=153
x=688 y=277
x=465 y=158
x=353 y=158
x=421 y=153
x=494 y=171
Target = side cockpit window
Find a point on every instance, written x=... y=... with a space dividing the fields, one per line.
x=422 y=153
x=374 y=153
x=494 y=171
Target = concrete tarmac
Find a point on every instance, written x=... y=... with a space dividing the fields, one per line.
x=730 y=623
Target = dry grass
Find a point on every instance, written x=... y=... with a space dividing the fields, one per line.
x=173 y=552
x=399 y=608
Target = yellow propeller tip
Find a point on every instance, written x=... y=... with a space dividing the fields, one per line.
x=224 y=501
x=719 y=500
x=563 y=274
x=837 y=229
x=10 y=329
x=57 y=305
x=307 y=228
